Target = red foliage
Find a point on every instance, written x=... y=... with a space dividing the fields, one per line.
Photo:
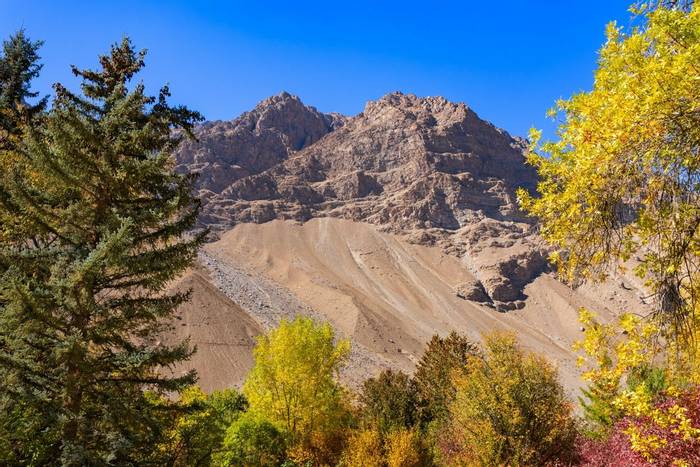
x=616 y=450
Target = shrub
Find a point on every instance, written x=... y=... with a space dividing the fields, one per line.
x=364 y=448
x=403 y=449
x=197 y=434
x=661 y=439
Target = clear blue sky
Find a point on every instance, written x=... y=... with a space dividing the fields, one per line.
x=509 y=60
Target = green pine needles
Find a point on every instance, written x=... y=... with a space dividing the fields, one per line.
x=105 y=225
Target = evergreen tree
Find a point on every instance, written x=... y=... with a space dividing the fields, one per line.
x=19 y=65
x=82 y=290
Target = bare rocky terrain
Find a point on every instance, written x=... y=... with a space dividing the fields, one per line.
x=393 y=225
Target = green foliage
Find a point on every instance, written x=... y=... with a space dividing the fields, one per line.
x=198 y=433
x=654 y=379
x=293 y=385
x=82 y=278
x=433 y=377
x=598 y=408
x=19 y=65
x=252 y=442
x=509 y=409
x=389 y=401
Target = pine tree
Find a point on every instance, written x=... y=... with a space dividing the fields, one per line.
x=19 y=65
x=83 y=297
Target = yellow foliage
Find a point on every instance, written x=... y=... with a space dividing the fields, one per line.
x=402 y=448
x=364 y=448
x=613 y=357
x=509 y=409
x=621 y=180
x=293 y=385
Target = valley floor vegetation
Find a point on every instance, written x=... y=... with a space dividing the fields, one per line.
x=95 y=223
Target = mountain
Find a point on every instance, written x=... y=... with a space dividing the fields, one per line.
x=393 y=225
x=252 y=143
x=424 y=168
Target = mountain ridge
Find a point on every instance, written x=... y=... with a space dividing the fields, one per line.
x=425 y=168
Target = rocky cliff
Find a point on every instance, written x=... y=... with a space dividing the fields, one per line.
x=226 y=151
x=425 y=168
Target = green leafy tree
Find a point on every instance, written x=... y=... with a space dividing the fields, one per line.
x=252 y=442
x=433 y=377
x=389 y=401
x=197 y=435
x=293 y=385
x=509 y=409
x=82 y=300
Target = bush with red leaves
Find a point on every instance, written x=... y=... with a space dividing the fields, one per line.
x=616 y=450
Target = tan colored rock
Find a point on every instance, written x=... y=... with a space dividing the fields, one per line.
x=474 y=291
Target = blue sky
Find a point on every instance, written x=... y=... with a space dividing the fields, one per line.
x=509 y=60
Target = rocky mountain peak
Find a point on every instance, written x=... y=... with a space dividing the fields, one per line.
x=421 y=167
x=412 y=106
x=226 y=151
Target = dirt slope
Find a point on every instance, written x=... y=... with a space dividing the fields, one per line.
x=221 y=330
x=385 y=294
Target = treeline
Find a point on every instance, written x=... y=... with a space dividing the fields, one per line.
x=465 y=405
x=95 y=223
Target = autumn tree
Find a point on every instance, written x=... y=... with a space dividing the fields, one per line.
x=508 y=409
x=293 y=384
x=622 y=179
x=621 y=183
x=82 y=282
x=433 y=377
x=364 y=447
x=389 y=401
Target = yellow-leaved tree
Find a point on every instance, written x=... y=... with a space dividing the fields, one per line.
x=509 y=409
x=621 y=186
x=623 y=178
x=293 y=385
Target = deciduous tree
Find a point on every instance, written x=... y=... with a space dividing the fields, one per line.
x=433 y=376
x=293 y=384
x=509 y=409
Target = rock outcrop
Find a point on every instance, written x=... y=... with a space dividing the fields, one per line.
x=252 y=143
x=426 y=168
